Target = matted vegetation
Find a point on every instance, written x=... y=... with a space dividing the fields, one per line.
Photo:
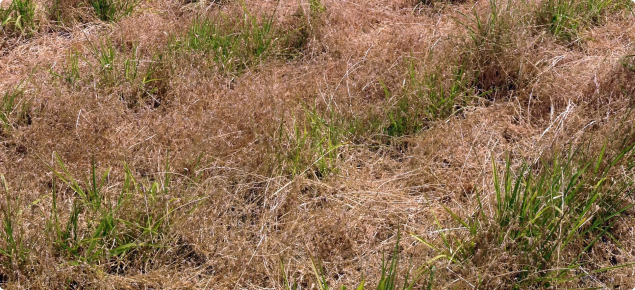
x=316 y=144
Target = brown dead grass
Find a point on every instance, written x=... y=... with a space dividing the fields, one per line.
x=221 y=131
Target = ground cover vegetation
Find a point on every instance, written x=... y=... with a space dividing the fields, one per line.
x=317 y=144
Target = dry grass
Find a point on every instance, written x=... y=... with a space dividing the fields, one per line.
x=141 y=151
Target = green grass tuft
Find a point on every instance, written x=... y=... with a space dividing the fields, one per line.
x=543 y=217
x=313 y=144
x=566 y=18
x=113 y=10
x=140 y=77
x=14 y=110
x=102 y=226
x=13 y=249
x=207 y=36
x=234 y=44
x=426 y=98
x=19 y=17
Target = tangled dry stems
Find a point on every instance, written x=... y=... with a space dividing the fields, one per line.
x=318 y=138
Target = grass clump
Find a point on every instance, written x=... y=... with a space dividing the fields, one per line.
x=90 y=200
x=71 y=73
x=233 y=44
x=545 y=219
x=19 y=17
x=66 y=12
x=497 y=53
x=105 y=227
x=428 y=97
x=101 y=223
x=140 y=79
x=311 y=145
x=442 y=103
x=13 y=250
x=302 y=32
x=113 y=10
x=14 y=110
x=566 y=18
x=405 y=117
x=205 y=35
x=316 y=7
